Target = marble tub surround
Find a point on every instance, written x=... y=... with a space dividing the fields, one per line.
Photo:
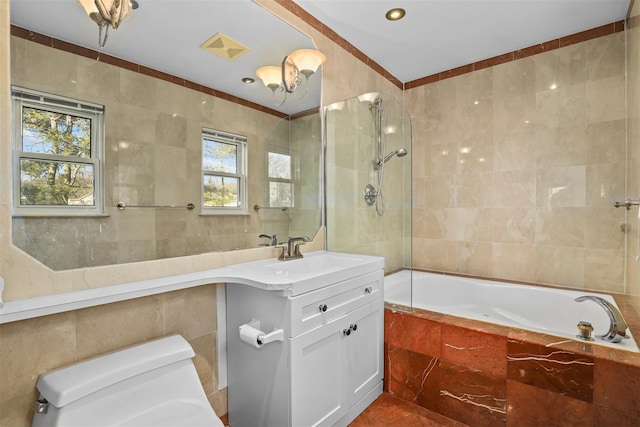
x=484 y=374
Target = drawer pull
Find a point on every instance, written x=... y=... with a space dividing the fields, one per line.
x=354 y=327
x=323 y=308
x=368 y=290
x=346 y=332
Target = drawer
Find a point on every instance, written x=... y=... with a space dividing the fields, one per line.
x=321 y=306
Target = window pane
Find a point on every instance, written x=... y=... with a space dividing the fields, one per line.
x=56 y=183
x=219 y=157
x=279 y=166
x=280 y=194
x=221 y=191
x=55 y=133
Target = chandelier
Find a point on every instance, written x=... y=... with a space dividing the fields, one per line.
x=107 y=13
x=293 y=75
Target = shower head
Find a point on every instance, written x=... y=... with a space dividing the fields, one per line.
x=376 y=104
x=400 y=153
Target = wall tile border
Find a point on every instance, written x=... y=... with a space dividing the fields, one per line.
x=137 y=68
x=593 y=33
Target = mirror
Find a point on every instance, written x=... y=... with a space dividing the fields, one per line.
x=292 y=193
x=153 y=124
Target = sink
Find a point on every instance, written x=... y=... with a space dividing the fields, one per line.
x=312 y=264
x=315 y=270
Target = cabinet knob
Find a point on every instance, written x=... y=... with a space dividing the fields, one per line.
x=323 y=307
x=346 y=332
x=354 y=327
x=368 y=290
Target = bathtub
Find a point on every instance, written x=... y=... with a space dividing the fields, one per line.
x=539 y=309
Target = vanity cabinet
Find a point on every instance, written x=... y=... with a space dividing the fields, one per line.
x=327 y=369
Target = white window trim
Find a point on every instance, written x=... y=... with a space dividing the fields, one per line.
x=239 y=141
x=282 y=180
x=26 y=97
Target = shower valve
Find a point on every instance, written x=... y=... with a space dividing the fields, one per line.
x=370 y=194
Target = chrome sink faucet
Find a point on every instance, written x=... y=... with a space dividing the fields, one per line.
x=292 y=250
x=617 y=327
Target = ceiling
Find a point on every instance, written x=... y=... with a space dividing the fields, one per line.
x=439 y=35
x=434 y=36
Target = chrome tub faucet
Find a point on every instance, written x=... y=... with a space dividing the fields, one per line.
x=617 y=326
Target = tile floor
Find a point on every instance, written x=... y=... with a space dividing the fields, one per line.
x=390 y=411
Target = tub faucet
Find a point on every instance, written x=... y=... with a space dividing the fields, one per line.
x=617 y=325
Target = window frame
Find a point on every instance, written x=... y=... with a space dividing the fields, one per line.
x=289 y=181
x=240 y=141
x=20 y=98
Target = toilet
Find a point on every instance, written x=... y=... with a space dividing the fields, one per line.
x=150 y=384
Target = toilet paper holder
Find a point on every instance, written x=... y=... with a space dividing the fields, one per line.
x=256 y=337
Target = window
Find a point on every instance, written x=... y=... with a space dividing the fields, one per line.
x=280 y=183
x=57 y=155
x=223 y=172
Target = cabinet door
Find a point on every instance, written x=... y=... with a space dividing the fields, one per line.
x=365 y=352
x=318 y=378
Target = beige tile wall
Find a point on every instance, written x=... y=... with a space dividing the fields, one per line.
x=633 y=149
x=152 y=157
x=34 y=346
x=30 y=347
x=516 y=180
x=351 y=138
x=300 y=137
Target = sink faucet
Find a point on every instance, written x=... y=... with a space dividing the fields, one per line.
x=272 y=239
x=292 y=250
x=617 y=327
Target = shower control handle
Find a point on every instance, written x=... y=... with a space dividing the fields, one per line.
x=323 y=308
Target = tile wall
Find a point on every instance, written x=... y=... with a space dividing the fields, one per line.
x=30 y=347
x=517 y=166
x=301 y=139
x=351 y=147
x=152 y=157
x=633 y=129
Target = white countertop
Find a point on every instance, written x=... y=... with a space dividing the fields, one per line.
x=291 y=278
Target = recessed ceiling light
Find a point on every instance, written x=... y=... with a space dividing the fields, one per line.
x=248 y=80
x=395 y=14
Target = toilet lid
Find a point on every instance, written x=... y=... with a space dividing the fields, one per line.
x=175 y=414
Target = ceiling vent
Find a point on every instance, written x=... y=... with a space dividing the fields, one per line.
x=224 y=46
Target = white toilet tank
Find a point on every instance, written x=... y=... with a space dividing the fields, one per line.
x=151 y=384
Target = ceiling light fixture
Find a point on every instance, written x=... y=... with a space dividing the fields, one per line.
x=395 y=14
x=289 y=76
x=107 y=13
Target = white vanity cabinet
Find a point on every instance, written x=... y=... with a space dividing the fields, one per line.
x=327 y=369
x=333 y=371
